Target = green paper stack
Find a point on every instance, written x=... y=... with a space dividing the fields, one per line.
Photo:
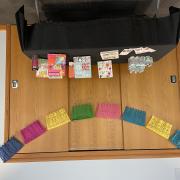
x=82 y=111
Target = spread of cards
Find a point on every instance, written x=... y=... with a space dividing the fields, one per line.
x=82 y=112
x=54 y=67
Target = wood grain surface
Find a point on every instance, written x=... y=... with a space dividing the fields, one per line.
x=96 y=133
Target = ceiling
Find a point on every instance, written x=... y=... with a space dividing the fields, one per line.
x=56 y=10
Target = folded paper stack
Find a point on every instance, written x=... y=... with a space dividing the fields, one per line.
x=32 y=131
x=82 y=111
x=10 y=148
x=107 y=110
x=160 y=127
x=56 y=119
x=135 y=116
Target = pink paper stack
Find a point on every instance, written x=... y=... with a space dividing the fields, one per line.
x=32 y=131
x=111 y=111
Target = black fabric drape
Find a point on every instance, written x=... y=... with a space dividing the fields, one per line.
x=91 y=37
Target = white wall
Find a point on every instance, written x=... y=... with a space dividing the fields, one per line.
x=145 y=169
x=2 y=81
x=151 y=169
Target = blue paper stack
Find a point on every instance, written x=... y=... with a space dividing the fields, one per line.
x=135 y=116
x=175 y=139
x=10 y=148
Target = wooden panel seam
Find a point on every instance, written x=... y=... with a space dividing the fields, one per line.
x=121 y=104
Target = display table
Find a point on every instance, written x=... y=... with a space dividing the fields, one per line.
x=93 y=138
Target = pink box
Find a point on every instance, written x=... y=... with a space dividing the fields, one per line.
x=32 y=131
x=106 y=110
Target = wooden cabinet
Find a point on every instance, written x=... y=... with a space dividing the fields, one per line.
x=93 y=138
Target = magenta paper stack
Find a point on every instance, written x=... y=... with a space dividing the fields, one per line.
x=32 y=131
x=111 y=111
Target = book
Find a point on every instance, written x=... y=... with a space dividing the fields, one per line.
x=82 y=67
x=56 y=66
x=105 y=69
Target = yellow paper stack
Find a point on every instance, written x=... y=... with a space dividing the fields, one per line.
x=160 y=127
x=56 y=119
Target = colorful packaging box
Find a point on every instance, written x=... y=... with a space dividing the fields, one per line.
x=82 y=67
x=56 y=66
x=42 y=72
x=105 y=69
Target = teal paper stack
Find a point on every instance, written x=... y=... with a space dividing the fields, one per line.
x=175 y=139
x=135 y=116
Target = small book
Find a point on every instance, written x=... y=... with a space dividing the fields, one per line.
x=82 y=111
x=56 y=66
x=42 y=72
x=107 y=110
x=56 y=119
x=160 y=127
x=82 y=67
x=105 y=69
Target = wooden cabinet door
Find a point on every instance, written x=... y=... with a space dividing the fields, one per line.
x=33 y=100
x=96 y=133
x=153 y=92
